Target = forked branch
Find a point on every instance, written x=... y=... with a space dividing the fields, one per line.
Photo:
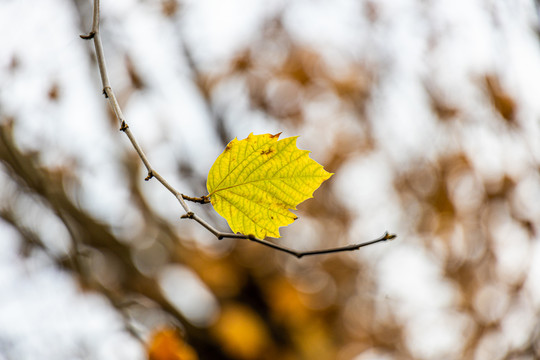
x=152 y=173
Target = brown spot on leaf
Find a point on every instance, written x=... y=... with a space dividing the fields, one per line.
x=275 y=136
x=268 y=152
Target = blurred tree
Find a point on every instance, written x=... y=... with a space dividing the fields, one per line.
x=426 y=112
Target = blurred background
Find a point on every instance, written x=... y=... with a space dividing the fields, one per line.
x=427 y=112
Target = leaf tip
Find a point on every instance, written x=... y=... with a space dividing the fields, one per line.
x=230 y=145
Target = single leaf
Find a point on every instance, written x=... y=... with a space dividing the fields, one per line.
x=255 y=182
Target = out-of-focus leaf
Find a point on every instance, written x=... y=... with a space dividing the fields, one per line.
x=502 y=101
x=165 y=344
x=285 y=302
x=242 y=332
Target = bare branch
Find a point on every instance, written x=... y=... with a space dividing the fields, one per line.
x=300 y=254
x=152 y=173
x=200 y=200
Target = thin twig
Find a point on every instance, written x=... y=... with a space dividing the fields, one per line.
x=200 y=200
x=152 y=173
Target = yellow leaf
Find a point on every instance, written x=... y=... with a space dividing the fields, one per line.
x=255 y=182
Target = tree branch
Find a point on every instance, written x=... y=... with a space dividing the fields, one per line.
x=152 y=173
x=200 y=200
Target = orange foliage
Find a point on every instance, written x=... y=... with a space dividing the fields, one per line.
x=165 y=344
x=285 y=302
x=241 y=332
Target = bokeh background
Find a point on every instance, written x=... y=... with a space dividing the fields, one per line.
x=426 y=111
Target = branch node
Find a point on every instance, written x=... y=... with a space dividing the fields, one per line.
x=201 y=200
x=90 y=36
x=124 y=126
x=188 y=215
x=150 y=175
x=251 y=237
x=105 y=91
